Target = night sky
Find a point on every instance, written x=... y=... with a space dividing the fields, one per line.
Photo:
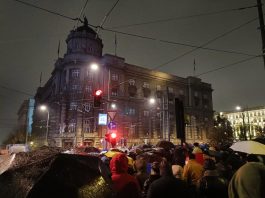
x=29 y=40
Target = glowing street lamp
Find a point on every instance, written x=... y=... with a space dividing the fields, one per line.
x=45 y=108
x=152 y=101
x=94 y=66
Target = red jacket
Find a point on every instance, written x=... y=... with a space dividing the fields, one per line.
x=123 y=182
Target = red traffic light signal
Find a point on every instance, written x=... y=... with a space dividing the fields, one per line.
x=98 y=92
x=113 y=135
x=97 y=97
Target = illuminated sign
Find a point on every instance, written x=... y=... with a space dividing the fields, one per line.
x=102 y=119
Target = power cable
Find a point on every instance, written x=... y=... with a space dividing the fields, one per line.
x=229 y=65
x=139 y=36
x=184 y=17
x=208 y=42
x=46 y=10
x=107 y=15
x=15 y=90
x=81 y=12
x=175 y=43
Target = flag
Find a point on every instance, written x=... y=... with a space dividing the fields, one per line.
x=115 y=44
x=58 y=52
x=40 y=78
x=194 y=67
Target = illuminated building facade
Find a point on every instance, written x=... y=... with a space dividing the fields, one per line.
x=69 y=96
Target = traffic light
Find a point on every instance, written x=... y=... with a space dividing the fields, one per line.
x=97 y=97
x=180 y=122
x=113 y=139
x=107 y=137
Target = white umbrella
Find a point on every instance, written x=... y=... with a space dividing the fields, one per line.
x=250 y=147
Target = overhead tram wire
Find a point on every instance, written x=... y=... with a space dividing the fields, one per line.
x=135 y=35
x=81 y=12
x=15 y=90
x=46 y=10
x=107 y=15
x=174 y=43
x=229 y=65
x=184 y=17
x=208 y=42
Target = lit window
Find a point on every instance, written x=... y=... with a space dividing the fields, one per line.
x=146 y=113
x=75 y=73
x=115 y=77
x=158 y=87
x=87 y=106
x=131 y=111
x=72 y=126
x=87 y=126
x=170 y=90
x=131 y=82
x=73 y=106
x=88 y=88
x=146 y=85
x=114 y=92
x=74 y=87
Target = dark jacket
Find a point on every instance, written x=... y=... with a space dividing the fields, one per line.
x=212 y=185
x=147 y=184
x=168 y=187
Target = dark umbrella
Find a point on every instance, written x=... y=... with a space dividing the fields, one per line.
x=260 y=140
x=167 y=145
x=62 y=175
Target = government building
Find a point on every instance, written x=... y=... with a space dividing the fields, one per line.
x=72 y=120
x=247 y=123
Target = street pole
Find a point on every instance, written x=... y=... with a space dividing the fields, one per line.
x=262 y=29
x=244 y=127
x=47 y=127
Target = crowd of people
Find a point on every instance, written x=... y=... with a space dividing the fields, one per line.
x=189 y=172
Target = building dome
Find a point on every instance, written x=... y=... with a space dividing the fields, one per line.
x=84 y=40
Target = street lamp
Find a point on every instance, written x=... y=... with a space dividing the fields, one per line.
x=45 y=108
x=152 y=102
x=94 y=66
x=238 y=108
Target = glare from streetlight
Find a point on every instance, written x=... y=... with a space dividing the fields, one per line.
x=152 y=101
x=238 y=108
x=113 y=106
x=43 y=108
x=94 y=66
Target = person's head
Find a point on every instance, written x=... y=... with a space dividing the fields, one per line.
x=140 y=164
x=196 y=144
x=119 y=163
x=155 y=168
x=252 y=158
x=209 y=164
x=191 y=156
x=165 y=167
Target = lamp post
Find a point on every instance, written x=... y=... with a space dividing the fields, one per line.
x=238 y=108
x=45 y=108
x=152 y=102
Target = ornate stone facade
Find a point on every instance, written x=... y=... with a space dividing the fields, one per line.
x=69 y=96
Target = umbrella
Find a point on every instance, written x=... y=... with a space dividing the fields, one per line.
x=62 y=175
x=250 y=147
x=111 y=153
x=167 y=145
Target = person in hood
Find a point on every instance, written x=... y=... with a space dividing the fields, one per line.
x=124 y=184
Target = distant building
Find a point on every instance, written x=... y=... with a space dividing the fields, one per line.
x=252 y=120
x=69 y=96
x=25 y=117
